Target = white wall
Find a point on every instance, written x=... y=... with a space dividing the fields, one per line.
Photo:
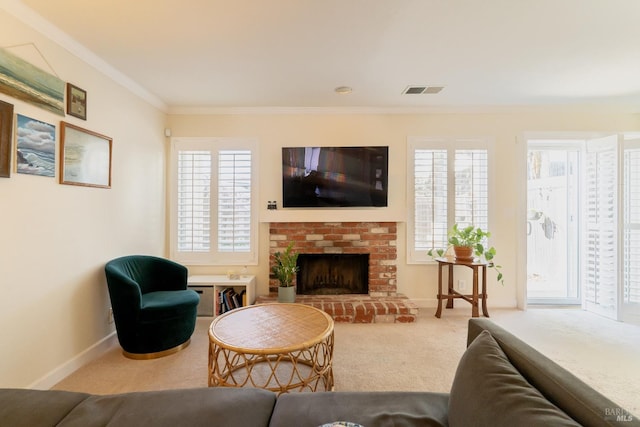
x=55 y=239
x=418 y=282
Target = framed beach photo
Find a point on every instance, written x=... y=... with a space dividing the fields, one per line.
x=6 y=125
x=76 y=102
x=85 y=157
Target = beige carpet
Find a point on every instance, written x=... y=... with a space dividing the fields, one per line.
x=415 y=357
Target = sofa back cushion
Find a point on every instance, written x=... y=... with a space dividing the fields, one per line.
x=223 y=407
x=37 y=408
x=580 y=401
x=488 y=391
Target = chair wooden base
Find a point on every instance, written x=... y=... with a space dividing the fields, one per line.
x=157 y=354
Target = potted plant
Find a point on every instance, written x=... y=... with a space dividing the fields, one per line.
x=469 y=242
x=285 y=269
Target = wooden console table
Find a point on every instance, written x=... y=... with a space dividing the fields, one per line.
x=452 y=294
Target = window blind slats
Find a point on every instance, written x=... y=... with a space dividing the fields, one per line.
x=214 y=207
x=435 y=185
x=600 y=274
x=234 y=200
x=631 y=234
x=194 y=200
x=430 y=193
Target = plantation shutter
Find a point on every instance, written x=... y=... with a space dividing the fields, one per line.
x=472 y=188
x=631 y=233
x=194 y=201
x=213 y=208
x=430 y=199
x=600 y=243
x=449 y=184
x=234 y=201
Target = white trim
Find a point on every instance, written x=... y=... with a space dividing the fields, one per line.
x=58 y=374
x=439 y=109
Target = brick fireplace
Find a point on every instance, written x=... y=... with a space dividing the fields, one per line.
x=376 y=239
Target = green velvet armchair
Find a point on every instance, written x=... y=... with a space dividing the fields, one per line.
x=154 y=312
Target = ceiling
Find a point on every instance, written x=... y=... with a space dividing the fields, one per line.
x=294 y=53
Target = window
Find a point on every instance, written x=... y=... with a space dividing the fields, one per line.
x=213 y=207
x=448 y=184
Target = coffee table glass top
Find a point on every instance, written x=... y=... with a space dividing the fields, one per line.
x=271 y=328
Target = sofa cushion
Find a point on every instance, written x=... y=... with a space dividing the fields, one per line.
x=488 y=390
x=398 y=409
x=37 y=408
x=221 y=407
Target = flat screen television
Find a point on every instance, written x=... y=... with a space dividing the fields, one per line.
x=334 y=176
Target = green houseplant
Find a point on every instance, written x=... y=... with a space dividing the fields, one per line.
x=468 y=242
x=284 y=269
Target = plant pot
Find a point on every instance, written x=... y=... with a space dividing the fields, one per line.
x=463 y=253
x=286 y=294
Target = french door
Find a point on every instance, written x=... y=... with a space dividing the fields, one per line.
x=583 y=224
x=552 y=222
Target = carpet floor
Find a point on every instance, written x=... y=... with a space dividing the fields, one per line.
x=420 y=356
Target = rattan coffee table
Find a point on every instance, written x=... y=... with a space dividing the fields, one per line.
x=278 y=347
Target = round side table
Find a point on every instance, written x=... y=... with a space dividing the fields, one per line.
x=278 y=347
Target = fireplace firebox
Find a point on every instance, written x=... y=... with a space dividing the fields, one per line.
x=333 y=274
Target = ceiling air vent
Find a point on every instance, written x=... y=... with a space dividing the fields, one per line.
x=419 y=90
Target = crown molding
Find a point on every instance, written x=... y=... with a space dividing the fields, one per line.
x=26 y=15
x=442 y=109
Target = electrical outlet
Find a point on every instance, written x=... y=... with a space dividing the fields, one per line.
x=110 y=315
x=462 y=285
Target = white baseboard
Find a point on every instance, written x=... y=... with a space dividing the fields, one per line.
x=425 y=302
x=433 y=303
x=64 y=370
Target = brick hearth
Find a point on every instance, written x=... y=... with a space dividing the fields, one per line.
x=378 y=239
x=358 y=308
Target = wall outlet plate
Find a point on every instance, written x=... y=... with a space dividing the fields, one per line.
x=462 y=284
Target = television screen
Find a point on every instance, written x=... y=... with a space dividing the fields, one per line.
x=334 y=176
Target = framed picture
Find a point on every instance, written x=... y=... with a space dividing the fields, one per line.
x=85 y=157
x=6 y=124
x=35 y=147
x=76 y=102
x=22 y=80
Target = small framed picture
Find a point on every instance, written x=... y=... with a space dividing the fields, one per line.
x=6 y=123
x=85 y=157
x=76 y=102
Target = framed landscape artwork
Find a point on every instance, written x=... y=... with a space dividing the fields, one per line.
x=85 y=157
x=24 y=81
x=76 y=102
x=36 y=147
x=6 y=124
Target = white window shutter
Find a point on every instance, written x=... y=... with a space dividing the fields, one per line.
x=430 y=195
x=213 y=205
x=234 y=201
x=194 y=201
x=472 y=188
x=600 y=242
x=631 y=233
x=448 y=183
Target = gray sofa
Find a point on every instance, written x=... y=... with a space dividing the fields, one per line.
x=500 y=381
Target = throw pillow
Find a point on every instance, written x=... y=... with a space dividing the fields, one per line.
x=488 y=390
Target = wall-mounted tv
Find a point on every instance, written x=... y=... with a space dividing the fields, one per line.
x=334 y=176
